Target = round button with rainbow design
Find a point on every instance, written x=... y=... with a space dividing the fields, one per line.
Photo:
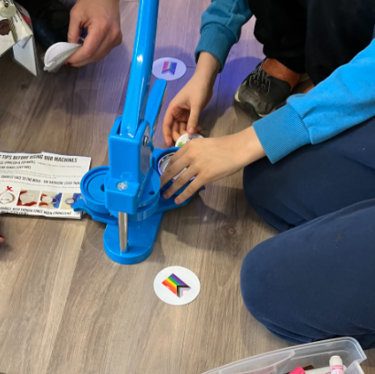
x=176 y=285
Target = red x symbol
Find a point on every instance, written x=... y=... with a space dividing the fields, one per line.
x=9 y=188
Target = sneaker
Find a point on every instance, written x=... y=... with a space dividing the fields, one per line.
x=261 y=92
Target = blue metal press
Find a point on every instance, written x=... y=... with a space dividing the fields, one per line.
x=126 y=195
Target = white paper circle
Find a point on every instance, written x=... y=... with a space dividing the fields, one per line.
x=186 y=138
x=57 y=54
x=27 y=197
x=47 y=199
x=6 y=197
x=187 y=292
x=168 y=68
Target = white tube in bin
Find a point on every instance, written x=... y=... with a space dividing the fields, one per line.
x=336 y=365
x=325 y=370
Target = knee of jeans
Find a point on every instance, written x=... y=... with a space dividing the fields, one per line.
x=253 y=281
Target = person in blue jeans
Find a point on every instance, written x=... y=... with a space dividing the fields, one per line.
x=309 y=162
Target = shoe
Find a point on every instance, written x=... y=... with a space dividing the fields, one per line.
x=50 y=20
x=261 y=92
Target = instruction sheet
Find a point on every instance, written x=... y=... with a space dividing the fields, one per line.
x=41 y=184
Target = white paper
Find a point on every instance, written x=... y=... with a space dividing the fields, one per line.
x=24 y=53
x=41 y=184
x=57 y=54
x=168 y=68
x=168 y=295
x=186 y=138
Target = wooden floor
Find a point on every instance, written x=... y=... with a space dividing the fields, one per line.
x=64 y=306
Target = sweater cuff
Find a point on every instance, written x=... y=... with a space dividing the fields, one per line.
x=281 y=133
x=216 y=40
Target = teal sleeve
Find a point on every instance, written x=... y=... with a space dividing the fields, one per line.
x=343 y=100
x=221 y=27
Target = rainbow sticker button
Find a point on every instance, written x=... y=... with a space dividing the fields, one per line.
x=176 y=285
x=169 y=67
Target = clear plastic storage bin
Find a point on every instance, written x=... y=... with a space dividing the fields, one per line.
x=285 y=360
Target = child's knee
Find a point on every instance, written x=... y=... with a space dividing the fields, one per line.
x=267 y=284
x=254 y=272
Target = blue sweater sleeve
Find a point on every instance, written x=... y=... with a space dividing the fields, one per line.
x=343 y=100
x=221 y=27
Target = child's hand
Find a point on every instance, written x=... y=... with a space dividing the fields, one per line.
x=183 y=112
x=102 y=21
x=210 y=159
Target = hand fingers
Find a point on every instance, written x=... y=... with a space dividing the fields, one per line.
x=189 y=191
x=167 y=127
x=184 y=178
x=178 y=130
x=75 y=26
x=98 y=43
x=176 y=165
x=112 y=40
x=175 y=131
x=87 y=52
x=193 y=120
x=182 y=128
x=104 y=48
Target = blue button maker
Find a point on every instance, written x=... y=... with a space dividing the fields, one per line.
x=126 y=195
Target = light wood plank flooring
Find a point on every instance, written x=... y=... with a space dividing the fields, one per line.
x=64 y=306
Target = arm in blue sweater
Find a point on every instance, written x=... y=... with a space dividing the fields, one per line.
x=345 y=99
x=221 y=27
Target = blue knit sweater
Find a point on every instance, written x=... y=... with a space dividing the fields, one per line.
x=345 y=99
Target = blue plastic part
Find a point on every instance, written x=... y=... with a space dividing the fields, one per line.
x=129 y=160
x=140 y=74
x=141 y=238
x=107 y=218
x=154 y=103
x=93 y=186
x=131 y=183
